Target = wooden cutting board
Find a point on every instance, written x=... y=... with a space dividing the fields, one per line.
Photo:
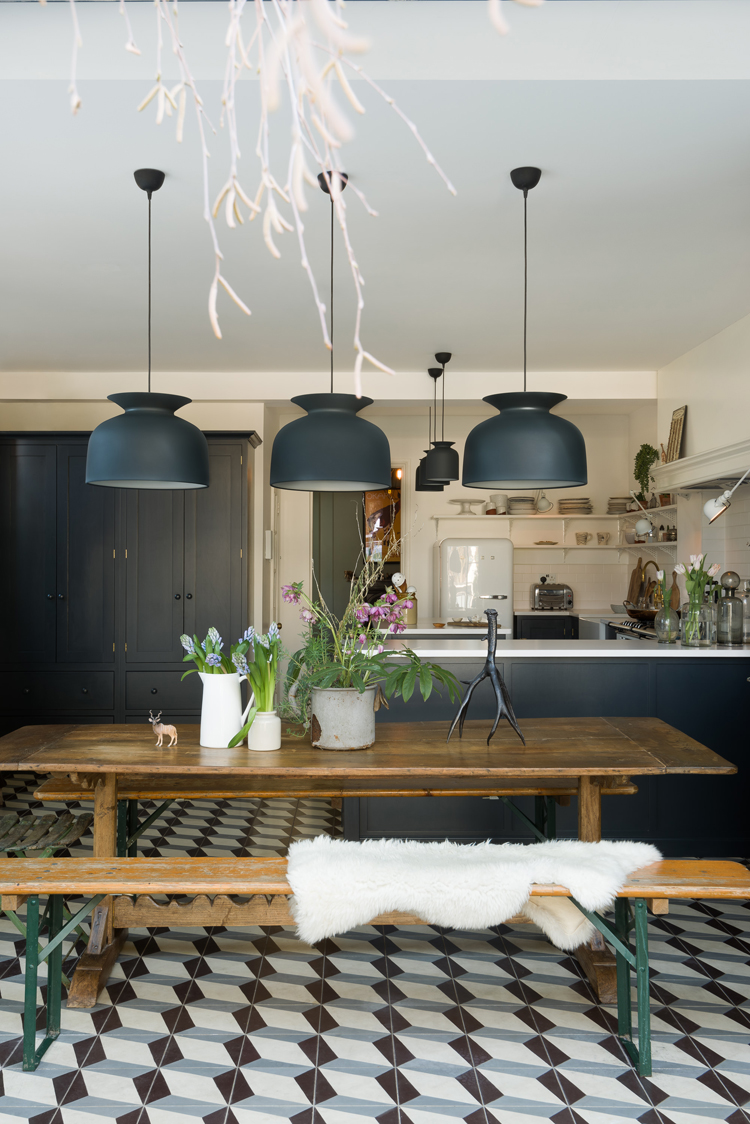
x=635 y=582
x=674 y=592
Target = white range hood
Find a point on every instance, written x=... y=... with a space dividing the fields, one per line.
x=716 y=468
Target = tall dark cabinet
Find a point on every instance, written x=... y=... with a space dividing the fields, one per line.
x=98 y=583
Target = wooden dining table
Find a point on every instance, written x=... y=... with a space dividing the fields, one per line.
x=588 y=757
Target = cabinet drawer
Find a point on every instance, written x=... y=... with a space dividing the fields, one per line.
x=38 y=692
x=162 y=690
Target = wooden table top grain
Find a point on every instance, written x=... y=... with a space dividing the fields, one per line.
x=555 y=747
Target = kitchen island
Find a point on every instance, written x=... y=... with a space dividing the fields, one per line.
x=703 y=692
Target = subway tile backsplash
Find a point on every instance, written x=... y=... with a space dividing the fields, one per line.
x=595 y=586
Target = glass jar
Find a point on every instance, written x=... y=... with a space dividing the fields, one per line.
x=697 y=623
x=730 y=612
x=744 y=595
x=667 y=626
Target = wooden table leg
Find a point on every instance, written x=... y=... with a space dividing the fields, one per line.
x=596 y=959
x=95 y=964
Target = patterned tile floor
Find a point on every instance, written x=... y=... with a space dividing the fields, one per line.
x=400 y=1026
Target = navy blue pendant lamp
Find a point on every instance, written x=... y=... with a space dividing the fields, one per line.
x=441 y=462
x=420 y=483
x=525 y=446
x=331 y=449
x=147 y=446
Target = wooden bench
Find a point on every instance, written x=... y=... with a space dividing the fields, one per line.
x=264 y=882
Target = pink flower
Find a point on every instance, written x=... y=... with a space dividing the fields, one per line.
x=362 y=639
x=408 y=604
x=397 y=626
x=713 y=570
x=391 y=598
x=378 y=612
x=680 y=567
x=307 y=615
x=291 y=593
x=363 y=614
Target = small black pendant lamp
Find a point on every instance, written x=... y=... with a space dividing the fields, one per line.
x=331 y=450
x=420 y=484
x=441 y=463
x=147 y=446
x=525 y=446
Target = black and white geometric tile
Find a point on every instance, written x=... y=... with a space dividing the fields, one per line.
x=398 y=1026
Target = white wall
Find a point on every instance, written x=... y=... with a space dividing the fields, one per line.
x=712 y=380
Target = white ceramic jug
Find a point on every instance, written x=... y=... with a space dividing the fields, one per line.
x=221 y=710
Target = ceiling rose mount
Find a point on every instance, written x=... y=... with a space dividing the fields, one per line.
x=525 y=179
x=149 y=179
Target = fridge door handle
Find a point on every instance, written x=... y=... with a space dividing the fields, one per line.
x=493 y=596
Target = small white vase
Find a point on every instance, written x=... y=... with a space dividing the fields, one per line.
x=265 y=732
x=221 y=709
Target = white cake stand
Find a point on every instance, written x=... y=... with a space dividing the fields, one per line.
x=465 y=505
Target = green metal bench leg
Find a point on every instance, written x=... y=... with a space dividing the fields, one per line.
x=54 y=970
x=31 y=1055
x=642 y=988
x=30 y=1060
x=624 y=1005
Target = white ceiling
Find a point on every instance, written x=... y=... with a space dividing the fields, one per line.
x=639 y=244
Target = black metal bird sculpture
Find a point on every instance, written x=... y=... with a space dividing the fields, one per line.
x=502 y=695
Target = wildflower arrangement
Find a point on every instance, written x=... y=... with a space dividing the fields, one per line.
x=350 y=652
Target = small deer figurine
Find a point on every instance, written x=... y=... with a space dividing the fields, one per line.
x=160 y=730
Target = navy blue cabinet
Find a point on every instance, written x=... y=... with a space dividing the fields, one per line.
x=707 y=698
x=99 y=583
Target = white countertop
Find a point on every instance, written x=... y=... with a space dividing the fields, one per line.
x=580 y=649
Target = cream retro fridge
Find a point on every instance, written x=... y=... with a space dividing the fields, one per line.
x=471 y=575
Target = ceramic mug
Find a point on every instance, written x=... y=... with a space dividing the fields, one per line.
x=602 y=537
x=500 y=501
x=582 y=537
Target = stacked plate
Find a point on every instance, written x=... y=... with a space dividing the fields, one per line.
x=581 y=505
x=521 y=505
x=618 y=505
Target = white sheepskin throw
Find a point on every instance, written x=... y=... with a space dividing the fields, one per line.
x=339 y=884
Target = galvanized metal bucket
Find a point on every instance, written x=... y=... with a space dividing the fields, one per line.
x=342 y=718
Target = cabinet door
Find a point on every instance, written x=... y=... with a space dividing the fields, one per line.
x=154 y=541
x=214 y=525
x=27 y=553
x=550 y=628
x=85 y=563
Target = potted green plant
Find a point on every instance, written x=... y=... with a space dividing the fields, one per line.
x=343 y=672
x=644 y=459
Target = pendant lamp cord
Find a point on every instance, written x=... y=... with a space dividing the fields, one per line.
x=525 y=286
x=443 y=409
x=434 y=403
x=149 y=292
x=331 y=329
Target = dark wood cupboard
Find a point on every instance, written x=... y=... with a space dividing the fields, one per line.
x=99 y=583
x=546 y=627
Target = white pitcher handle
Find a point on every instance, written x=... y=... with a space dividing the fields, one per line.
x=250 y=702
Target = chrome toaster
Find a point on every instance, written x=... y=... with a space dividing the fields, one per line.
x=551 y=595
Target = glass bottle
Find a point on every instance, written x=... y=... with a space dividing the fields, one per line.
x=730 y=612
x=666 y=625
x=744 y=595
